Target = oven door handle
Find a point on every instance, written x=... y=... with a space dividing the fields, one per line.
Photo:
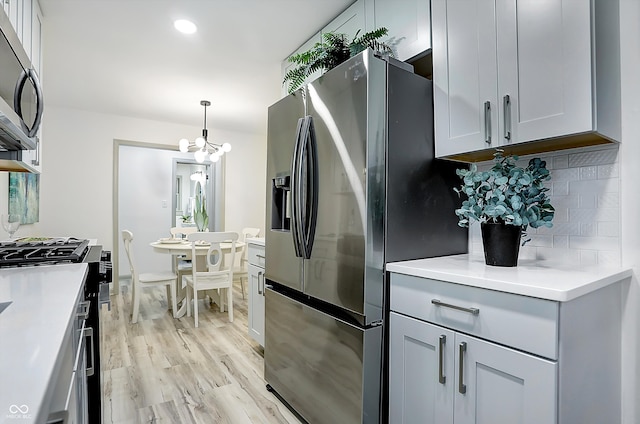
x=89 y=333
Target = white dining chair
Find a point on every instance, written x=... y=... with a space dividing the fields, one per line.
x=241 y=265
x=139 y=281
x=216 y=275
x=181 y=265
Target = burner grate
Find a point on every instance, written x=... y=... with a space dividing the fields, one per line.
x=53 y=251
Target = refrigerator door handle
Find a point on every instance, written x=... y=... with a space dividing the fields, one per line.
x=295 y=194
x=310 y=155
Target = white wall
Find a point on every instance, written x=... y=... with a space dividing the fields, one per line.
x=630 y=205
x=77 y=175
x=144 y=203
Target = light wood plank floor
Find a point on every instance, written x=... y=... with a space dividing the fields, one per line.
x=164 y=370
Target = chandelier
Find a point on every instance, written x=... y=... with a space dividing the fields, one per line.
x=201 y=147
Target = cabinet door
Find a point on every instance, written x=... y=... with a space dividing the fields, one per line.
x=409 y=25
x=494 y=384
x=256 y=303
x=464 y=75
x=544 y=66
x=348 y=22
x=421 y=376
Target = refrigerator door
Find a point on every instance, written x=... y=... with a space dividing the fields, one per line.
x=284 y=119
x=326 y=369
x=347 y=107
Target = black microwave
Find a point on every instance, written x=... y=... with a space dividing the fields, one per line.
x=21 y=102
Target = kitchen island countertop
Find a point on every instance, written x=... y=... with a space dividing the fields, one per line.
x=32 y=330
x=557 y=282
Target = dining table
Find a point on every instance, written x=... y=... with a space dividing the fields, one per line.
x=183 y=248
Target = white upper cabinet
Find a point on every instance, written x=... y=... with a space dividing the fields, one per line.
x=36 y=38
x=349 y=22
x=408 y=22
x=507 y=72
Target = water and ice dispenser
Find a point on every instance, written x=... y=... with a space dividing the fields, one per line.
x=281 y=203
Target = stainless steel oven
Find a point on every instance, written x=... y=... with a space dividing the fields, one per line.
x=78 y=385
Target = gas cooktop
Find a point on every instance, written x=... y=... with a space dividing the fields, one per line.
x=38 y=251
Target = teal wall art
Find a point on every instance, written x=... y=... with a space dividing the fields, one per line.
x=24 y=196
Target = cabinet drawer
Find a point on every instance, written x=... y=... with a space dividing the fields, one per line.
x=521 y=322
x=256 y=254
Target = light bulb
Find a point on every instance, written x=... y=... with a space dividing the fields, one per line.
x=185 y=26
x=226 y=147
x=215 y=157
x=199 y=155
x=184 y=145
x=200 y=141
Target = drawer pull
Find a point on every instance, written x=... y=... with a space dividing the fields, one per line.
x=462 y=388
x=259 y=256
x=472 y=311
x=441 y=377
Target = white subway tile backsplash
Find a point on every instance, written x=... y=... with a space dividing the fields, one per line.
x=584 y=190
x=558 y=162
x=597 y=157
x=608 y=171
x=588 y=201
x=560 y=242
x=609 y=200
x=608 y=229
x=565 y=228
x=582 y=215
x=588 y=172
x=571 y=174
x=588 y=256
x=608 y=215
x=609 y=258
x=538 y=240
x=559 y=188
x=593 y=186
x=588 y=229
x=593 y=243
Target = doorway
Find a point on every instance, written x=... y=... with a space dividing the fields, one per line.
x=188 y=177
x=145 y=201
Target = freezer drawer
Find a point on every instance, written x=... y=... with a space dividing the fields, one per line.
x=328 y=370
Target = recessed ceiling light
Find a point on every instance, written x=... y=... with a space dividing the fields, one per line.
x=185 y=26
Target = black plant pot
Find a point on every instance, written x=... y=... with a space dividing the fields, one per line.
x=501 y=243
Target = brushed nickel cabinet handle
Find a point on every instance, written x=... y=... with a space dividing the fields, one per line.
x=441 y=377
x=472 y=311
x=462 y=388
x=506 y=108
x=487 y=122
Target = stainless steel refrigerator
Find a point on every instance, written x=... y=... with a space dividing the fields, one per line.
x=351 y=184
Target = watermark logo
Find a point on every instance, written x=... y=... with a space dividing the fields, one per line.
x=18 y=411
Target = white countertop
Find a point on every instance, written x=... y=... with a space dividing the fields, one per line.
x=255 y=240
x=530 y=278
x=32 y=330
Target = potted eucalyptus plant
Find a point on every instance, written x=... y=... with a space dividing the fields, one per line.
x=334 y=49
x=506 y=200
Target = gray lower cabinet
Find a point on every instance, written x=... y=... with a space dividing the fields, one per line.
x=462 y=354
x=256 y=259
x=441 y=376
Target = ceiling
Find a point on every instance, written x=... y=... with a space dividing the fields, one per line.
x=124 y=57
